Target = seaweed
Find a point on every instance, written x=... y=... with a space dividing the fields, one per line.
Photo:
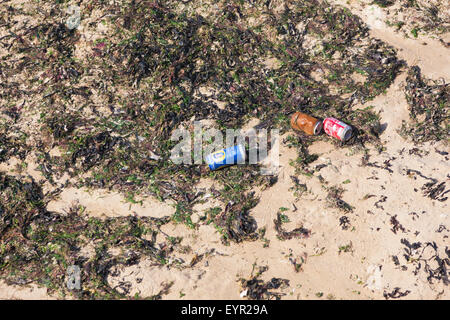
x=384 y=3
x=257 y=289
x=344 y=222
x=395 y=294
x=428 y=105
x=395 y=260
x=44 y=244
x=396 y=225
x=111 y=105
x=178 y=67
x=235 y=222
x=433 y=258
x=300 y=232
x=297 y=262
x=301 y=142
x=334 y=199
x=412 y=172
x=12 y=144
x=298 y=188
x=435 y=191
x=377 y=204
x=386 y=165
x=427 y=16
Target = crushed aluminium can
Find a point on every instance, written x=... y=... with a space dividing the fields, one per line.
x=337 y=129
x=226 y=157
x=306 y=123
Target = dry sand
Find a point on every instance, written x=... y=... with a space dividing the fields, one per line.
x=365 y=269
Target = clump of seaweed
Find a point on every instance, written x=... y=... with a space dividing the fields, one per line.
x=435 y=266
x=298 y=188
x=435 y=191
x=257 y=289
x=396 y=225
x=344 y=222
x=395 y=294
x=12 y=143
x=235 y=223
x=334 y=198
x=38 y=246
x=384 y=3
x=427 y=15
x=282 y=234
x=428 y=105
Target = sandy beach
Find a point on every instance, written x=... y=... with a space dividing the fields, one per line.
x=379 y=225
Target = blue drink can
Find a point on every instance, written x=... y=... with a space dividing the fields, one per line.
x=226 y=157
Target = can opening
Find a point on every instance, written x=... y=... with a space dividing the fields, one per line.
x=348 y=134
x=318 y=127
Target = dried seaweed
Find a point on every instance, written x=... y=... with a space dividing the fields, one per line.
x=395 y=294
x=429 y=256
x=334 y=199
x=300 y=232
x=298 y=262
x=377 y=204
x=429 y=16
x=298 y=188
x=435 y=191
x=111 y=109
x=344 y=222
x=148 y=56
x=411 y=172
x=384 y=3
x=386 y=165
x=428 y=105
x=257 y=289
x=396 y=225
x=12 y=144
x=236 y=223
x=43 y=244
x=395 y=260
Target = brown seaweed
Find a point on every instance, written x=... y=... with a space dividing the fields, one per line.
x=257 y=289
x=300 y=232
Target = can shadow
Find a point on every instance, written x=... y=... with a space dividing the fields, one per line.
x=376 y=130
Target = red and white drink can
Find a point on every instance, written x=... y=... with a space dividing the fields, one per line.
x=337 y=129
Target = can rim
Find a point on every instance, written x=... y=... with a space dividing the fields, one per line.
x=318 y=127
x=347 y=133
